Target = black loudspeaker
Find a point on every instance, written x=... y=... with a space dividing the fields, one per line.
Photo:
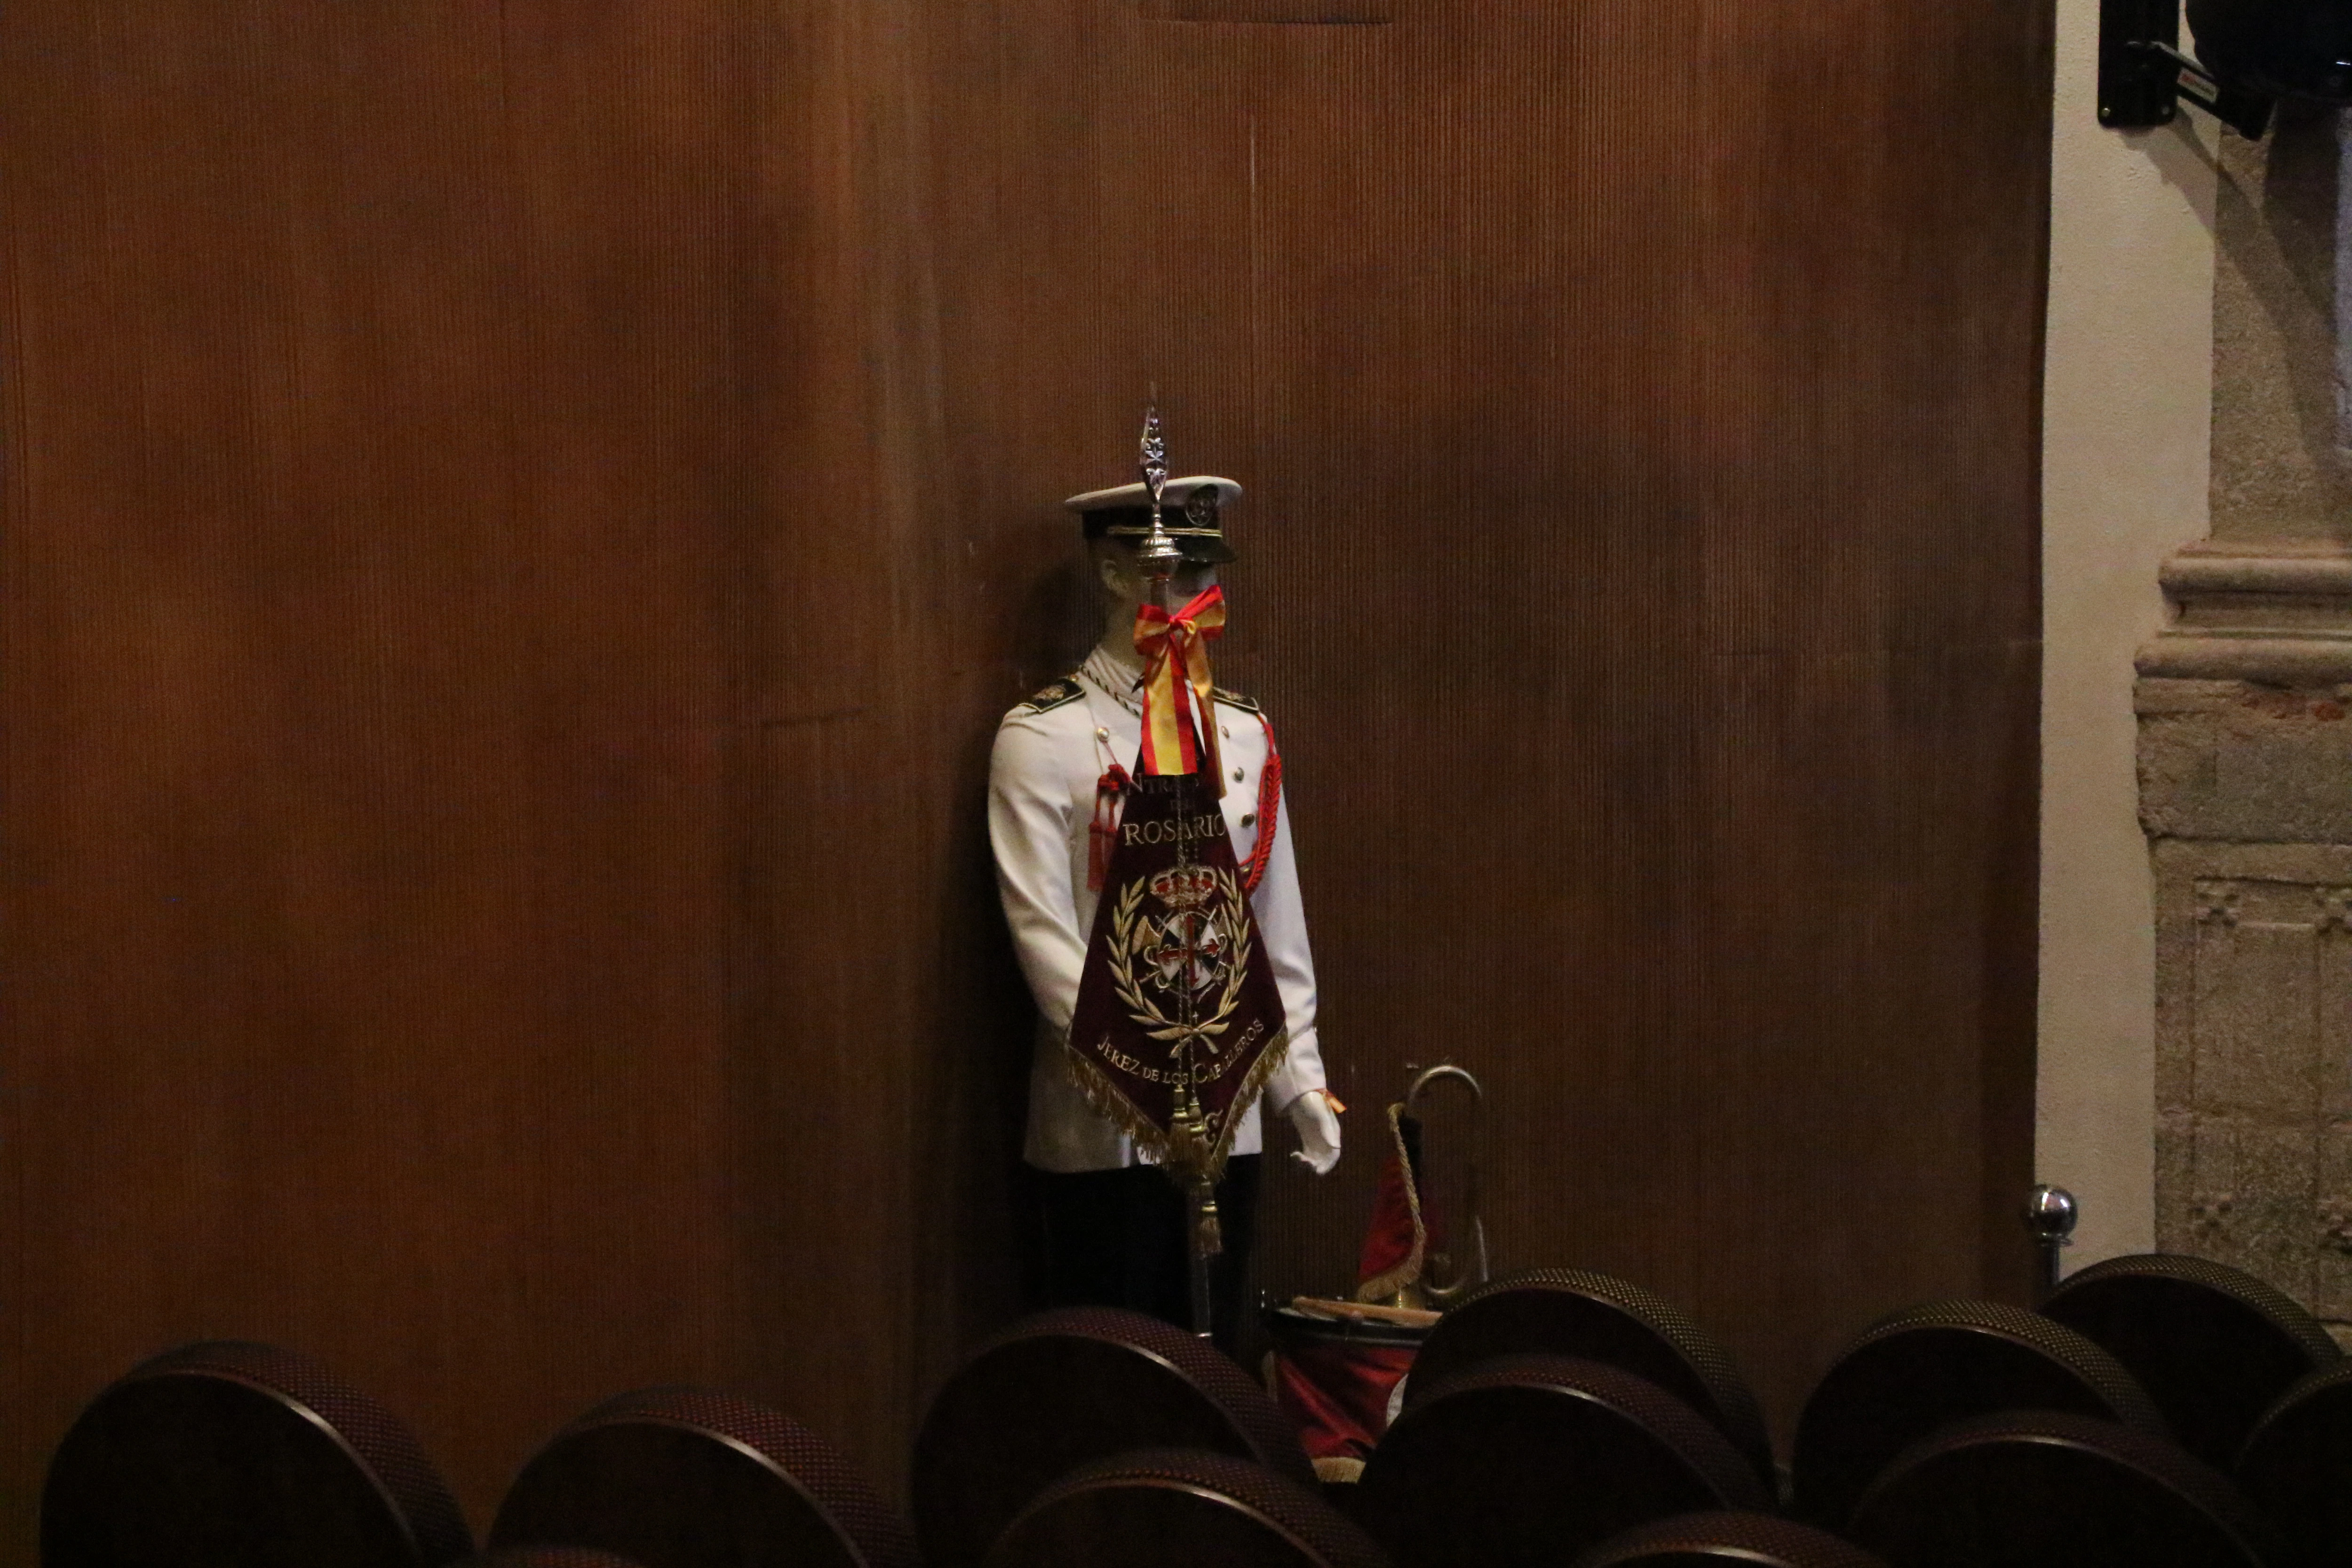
x=1180 y=1507
x=1063 y=1388
x=1529 y=1460
x=690 y=1477
x=1723 y=1539
x=2211 y=1346
x=1926 y=1366
x=2039 y=1490
x=1596 y=1317
x=231 y=1455
x=2297 y=1464
x=2280 y=49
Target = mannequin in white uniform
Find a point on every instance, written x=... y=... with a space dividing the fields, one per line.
x=1112 y=1226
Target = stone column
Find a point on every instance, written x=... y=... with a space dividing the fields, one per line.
x=2245 y=755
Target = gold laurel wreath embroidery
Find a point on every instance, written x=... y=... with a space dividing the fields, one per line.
x=1128 y=937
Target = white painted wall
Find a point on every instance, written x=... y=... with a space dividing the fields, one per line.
x=2128 y=400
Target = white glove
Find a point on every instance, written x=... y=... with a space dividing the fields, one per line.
x=1319 y=1132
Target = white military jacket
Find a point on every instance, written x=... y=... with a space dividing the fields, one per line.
x=1049 y=752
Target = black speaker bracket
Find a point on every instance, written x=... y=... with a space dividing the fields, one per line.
x=2143 y=75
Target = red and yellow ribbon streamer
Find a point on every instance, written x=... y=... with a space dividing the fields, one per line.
x=1167 y=641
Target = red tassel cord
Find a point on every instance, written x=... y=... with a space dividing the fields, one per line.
x=1104 y=831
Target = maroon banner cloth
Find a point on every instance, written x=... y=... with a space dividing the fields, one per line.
x=1175 y=975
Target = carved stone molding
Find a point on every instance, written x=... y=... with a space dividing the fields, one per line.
x=2280 y=614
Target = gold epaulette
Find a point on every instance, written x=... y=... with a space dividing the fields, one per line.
x=1052 y=695
x=1235 y=700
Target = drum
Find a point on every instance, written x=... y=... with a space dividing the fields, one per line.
x=1574 y=1312
x=691 y=1477
x=1062 y=1388
x=2045 y=1490
x=1926 y=1366
x=231 y=1455
x=1180 y=1507
x=1532 y=1460
x=2211 y=1346
x=1337 y=1380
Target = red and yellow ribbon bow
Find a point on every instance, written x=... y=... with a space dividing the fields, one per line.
x=1170 y=704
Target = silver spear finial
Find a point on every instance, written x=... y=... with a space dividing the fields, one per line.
x=1158 y=554
x=1154 y=461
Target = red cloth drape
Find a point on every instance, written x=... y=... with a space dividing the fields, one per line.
x=1337 y=1393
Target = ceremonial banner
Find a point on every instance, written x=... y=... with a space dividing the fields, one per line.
x=1178 y=1012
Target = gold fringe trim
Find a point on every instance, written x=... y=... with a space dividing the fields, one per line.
x=1110 y=1100
x=1381 y=1287
x=1277 y=1052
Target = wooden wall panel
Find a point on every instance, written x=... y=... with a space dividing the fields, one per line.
x=521 y=519
x=463 y=842
x=1639 y=420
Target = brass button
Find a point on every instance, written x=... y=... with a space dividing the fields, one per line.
x=1249 y=818
x=1237 y=775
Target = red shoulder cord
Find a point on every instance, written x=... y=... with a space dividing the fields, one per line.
x=1270 y=806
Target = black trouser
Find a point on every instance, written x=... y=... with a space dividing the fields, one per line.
x=1119 y=1238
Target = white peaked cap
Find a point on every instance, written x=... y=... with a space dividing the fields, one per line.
x=1172 y=495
